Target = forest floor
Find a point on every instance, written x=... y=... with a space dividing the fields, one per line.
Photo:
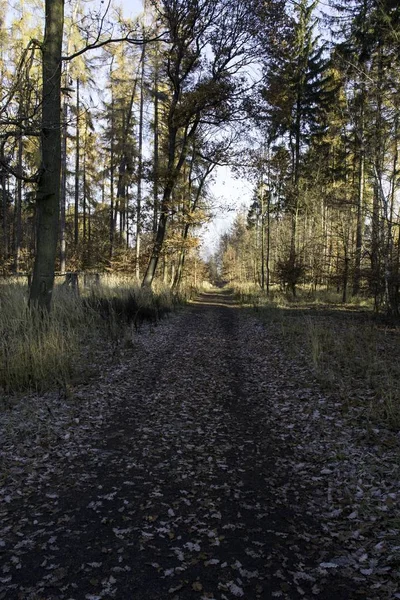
x=204 y=463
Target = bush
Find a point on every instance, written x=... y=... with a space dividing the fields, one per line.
x=290 y=272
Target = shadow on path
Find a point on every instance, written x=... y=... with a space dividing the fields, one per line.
x=189 y=489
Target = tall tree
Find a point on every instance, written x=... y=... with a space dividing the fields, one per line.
x=297 y=91
x=48 y=187
x=200 y=88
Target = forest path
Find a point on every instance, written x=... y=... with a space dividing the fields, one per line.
x=202 y=479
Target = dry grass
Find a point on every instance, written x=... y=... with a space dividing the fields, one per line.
x=362 y=361
x=348 y=350
x=40 y=353
x=36 y=352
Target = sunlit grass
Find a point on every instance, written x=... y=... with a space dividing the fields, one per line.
x=251 y=294
x=348 y=350
x=36 y=351
x=40 y=352
x=361 y=361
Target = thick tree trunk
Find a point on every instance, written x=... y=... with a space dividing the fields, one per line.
x=48 y=189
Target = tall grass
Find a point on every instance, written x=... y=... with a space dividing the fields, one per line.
x=250 y=294
x=349 y=352
x=41 y=352
x=36 y=351
x=361 y=361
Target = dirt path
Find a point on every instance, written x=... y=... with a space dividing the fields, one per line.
x=205 y=472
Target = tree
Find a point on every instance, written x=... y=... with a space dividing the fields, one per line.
x=48 y=186
x=200 y=88
x=297 y=91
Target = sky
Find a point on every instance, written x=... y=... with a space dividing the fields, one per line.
x=229 y=194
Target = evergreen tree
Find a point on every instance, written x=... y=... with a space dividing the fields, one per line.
x=297 y=92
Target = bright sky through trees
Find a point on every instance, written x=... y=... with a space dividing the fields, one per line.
x=229 y=193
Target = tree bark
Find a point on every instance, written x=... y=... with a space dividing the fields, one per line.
x=18 y=212
x=48 y=189
x=359 y=226
x=77 y=168
x=63 y=193
x=158 y=243
x=5 y=213
x=140 y=167
x=112 y=207
x=156 y=158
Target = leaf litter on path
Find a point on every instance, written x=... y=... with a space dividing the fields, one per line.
x=206 y=464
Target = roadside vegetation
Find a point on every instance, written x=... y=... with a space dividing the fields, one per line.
x=351 y=351
x=40 y=351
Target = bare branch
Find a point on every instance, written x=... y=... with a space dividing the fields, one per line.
x=100 y=44
x=20 y=176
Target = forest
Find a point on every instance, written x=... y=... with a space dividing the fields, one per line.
x=111 y=130
x=184 y=416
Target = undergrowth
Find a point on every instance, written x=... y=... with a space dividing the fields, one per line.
x=44 y=352
x=348 y=350
x=361 y=361
x=252 y=295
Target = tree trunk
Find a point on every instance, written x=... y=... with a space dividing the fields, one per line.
x=158 y=243
x=121 y=189
x=112 y=207
x=140 y=167
x=48 y=189
x=268 y=248
x=63 y=192
x=394 y=271
x=192 y=208
x=156 y=158
x=84 y=202
x=5 y=214
x=360 y=219
x=18 y=212
x=377 y=224
x=345 y=277
x=262 y=240
x=77 y=168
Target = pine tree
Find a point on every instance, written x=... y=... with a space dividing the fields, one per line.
x=298 y=90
